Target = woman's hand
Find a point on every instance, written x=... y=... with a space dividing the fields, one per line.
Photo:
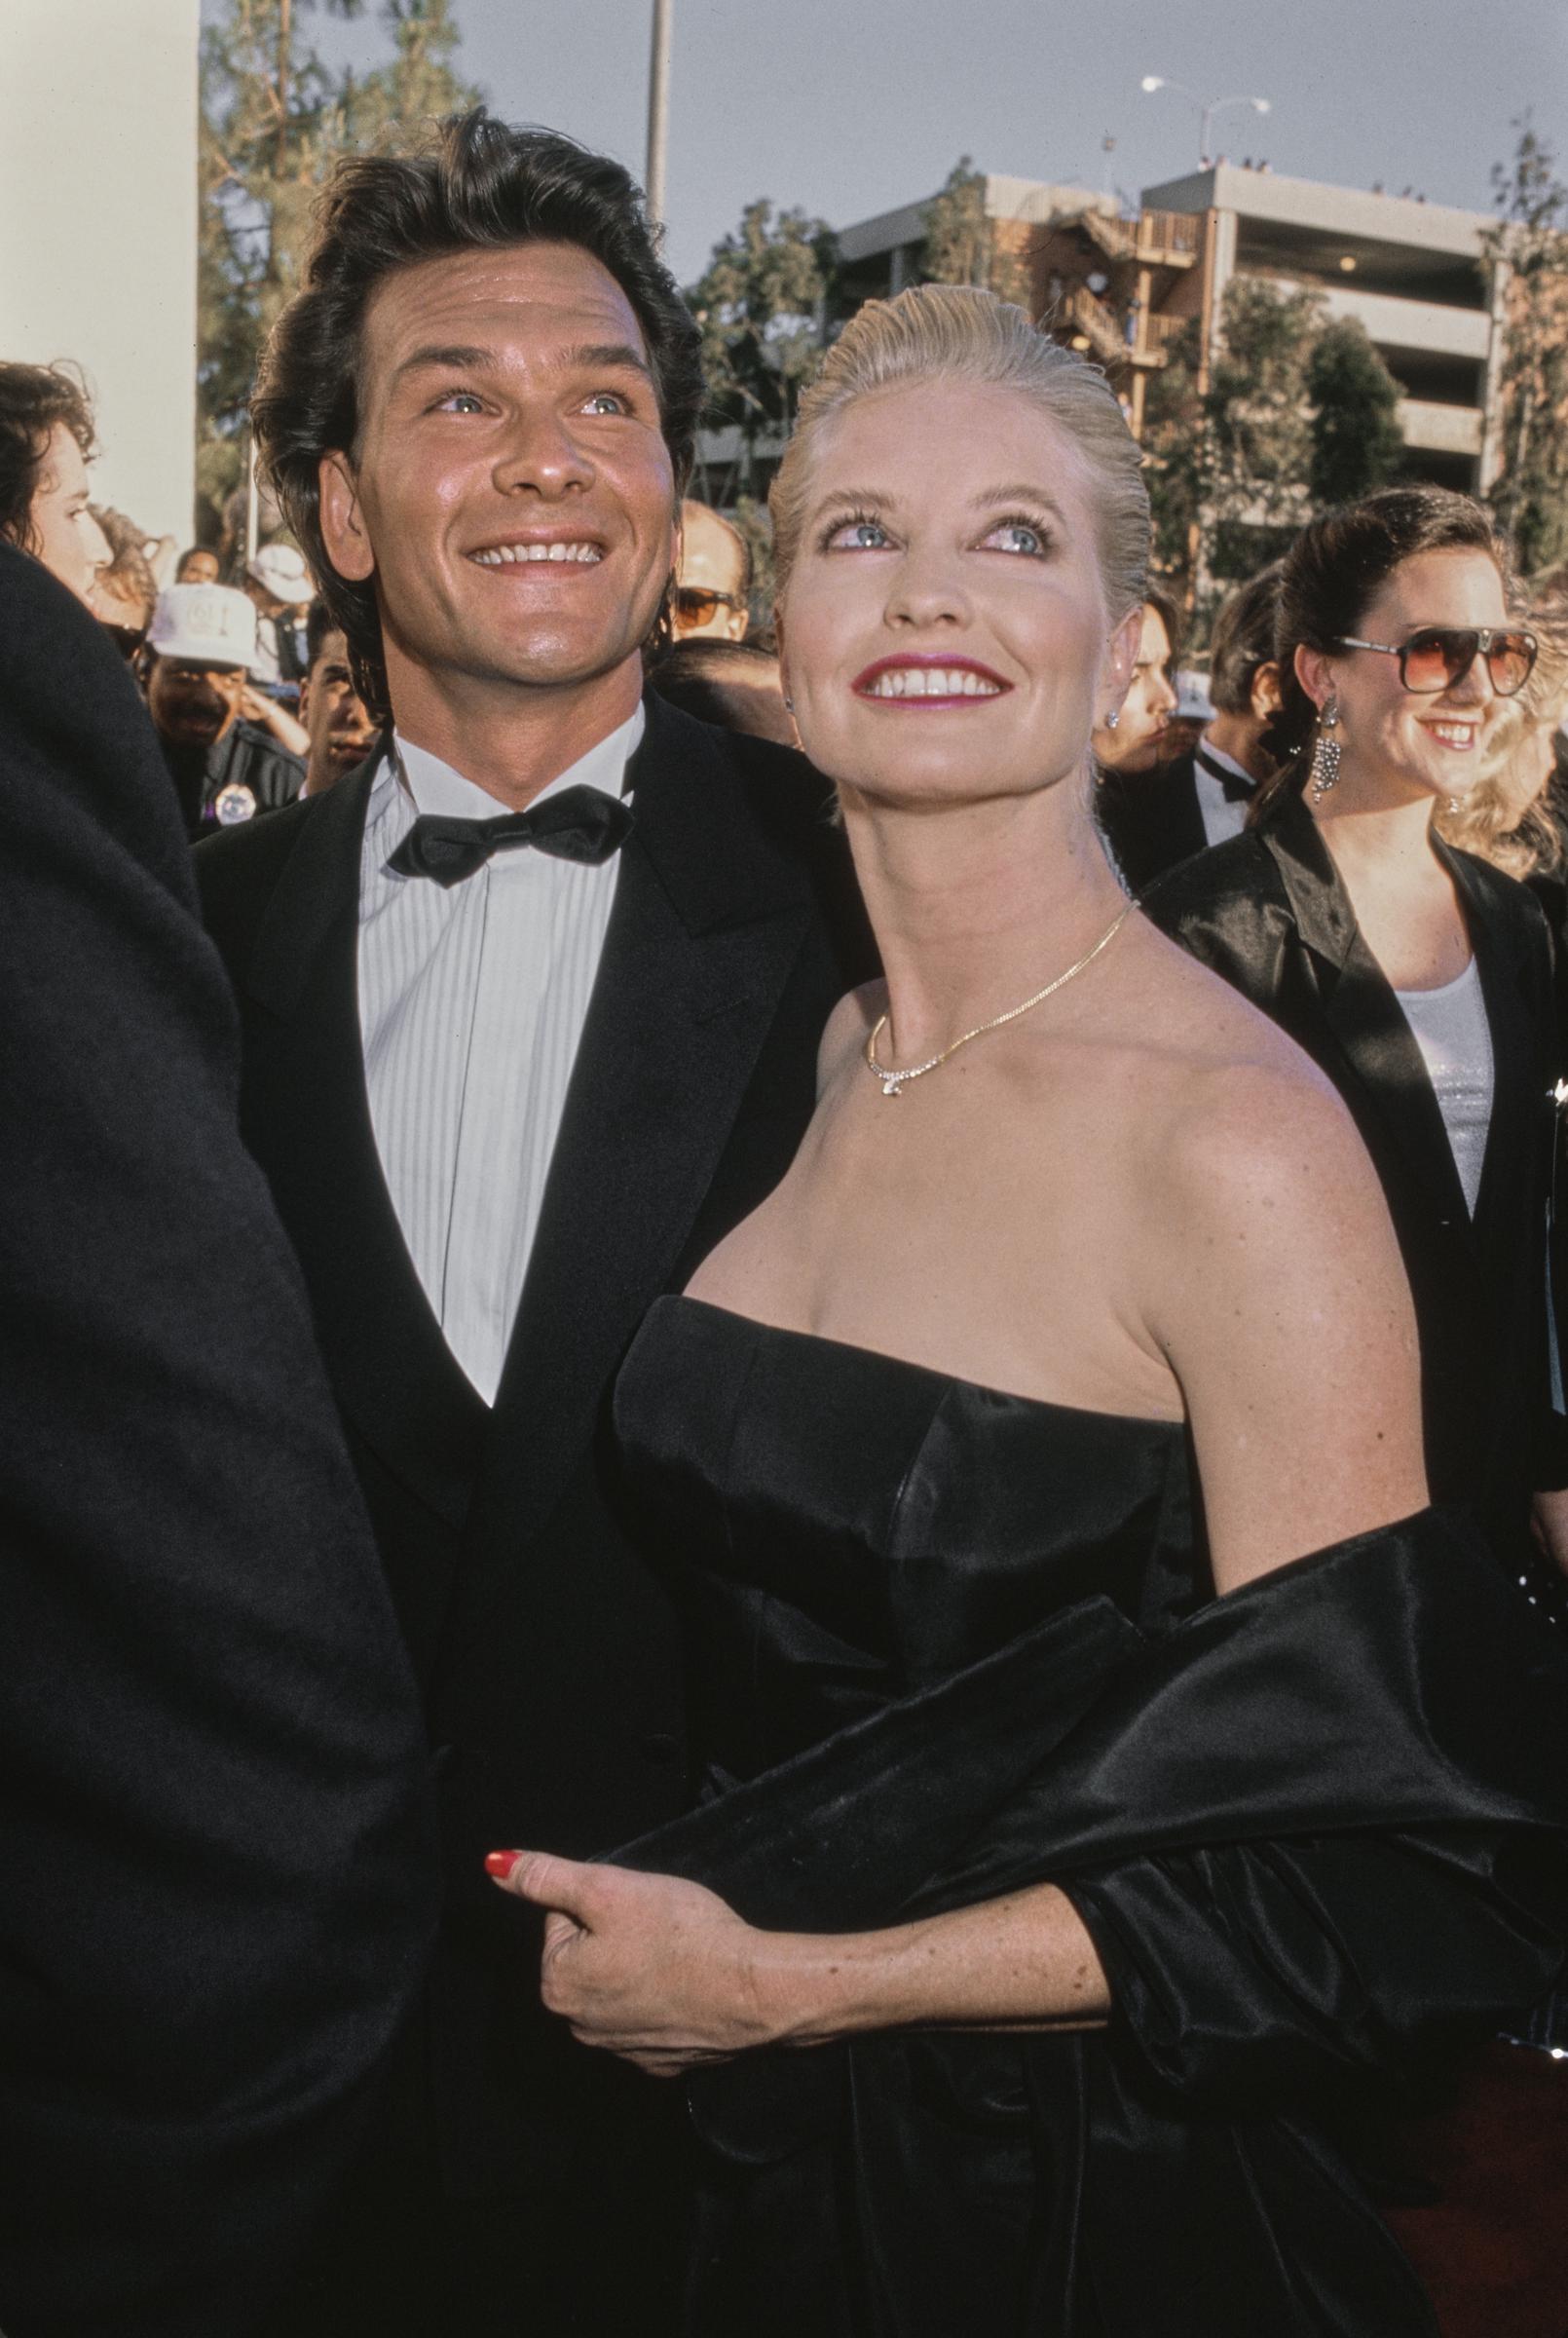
x=658 y=1970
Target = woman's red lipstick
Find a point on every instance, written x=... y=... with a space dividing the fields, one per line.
x=919 y=694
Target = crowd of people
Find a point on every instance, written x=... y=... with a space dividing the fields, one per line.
x=1014 y=1648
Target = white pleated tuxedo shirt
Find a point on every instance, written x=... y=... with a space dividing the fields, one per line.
x=472 y=999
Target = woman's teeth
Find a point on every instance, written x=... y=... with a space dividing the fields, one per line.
x=1454 y=735
x=932 y=681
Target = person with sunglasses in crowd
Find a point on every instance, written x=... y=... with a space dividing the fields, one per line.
x=713 y=575
x=1419 y=978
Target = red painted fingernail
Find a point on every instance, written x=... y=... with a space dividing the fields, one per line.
x=500 y=1862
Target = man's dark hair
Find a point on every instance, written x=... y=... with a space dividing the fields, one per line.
x=1243 y=641
x=480 y=186
x=693 y=675
x=34 y=402
x=320 y=621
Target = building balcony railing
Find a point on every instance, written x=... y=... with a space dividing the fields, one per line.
x=1154 y=240
x=1092 y=318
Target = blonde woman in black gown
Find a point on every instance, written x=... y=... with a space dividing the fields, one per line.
x=1045 y=1914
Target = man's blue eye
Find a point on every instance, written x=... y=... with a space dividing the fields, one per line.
x=607 y=401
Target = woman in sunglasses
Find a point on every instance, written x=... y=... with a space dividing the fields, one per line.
x=1418 y=977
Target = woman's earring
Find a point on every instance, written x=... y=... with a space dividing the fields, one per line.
x=1113 y=718
x=1326 y=752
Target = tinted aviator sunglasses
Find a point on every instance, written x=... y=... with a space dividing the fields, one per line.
x=696 y=602
x=1439 y=655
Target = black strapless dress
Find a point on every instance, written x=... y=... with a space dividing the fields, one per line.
x=947 y=1641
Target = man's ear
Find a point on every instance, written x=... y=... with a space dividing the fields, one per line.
x=1265 y=691
x=343 y=528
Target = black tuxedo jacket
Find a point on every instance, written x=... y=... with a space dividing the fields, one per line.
x=216 y=1875
x=546 y=1646
x=1151 y=819
x=1268 y=911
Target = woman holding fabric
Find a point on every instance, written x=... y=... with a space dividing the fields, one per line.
x=1045 y=1910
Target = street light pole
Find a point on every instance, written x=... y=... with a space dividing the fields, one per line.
x=1206 y=108
x=658 y=109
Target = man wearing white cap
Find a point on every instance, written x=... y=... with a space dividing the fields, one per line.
x=278 y=584
x=227 y=751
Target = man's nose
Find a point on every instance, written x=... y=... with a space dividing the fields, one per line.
x=542 y=454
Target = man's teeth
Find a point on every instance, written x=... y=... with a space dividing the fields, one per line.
x=932 y=681
x=1454 y=735
x=513 y=555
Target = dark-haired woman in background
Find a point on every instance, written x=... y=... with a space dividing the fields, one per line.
x=1419 y=978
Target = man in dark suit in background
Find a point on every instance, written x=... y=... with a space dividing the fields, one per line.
x=532 y=1004
x=218 y=1878
x=1157 y=817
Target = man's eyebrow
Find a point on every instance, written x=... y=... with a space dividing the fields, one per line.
x=448 y=356
x=617 y=355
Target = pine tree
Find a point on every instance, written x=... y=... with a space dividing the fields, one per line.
x=963 y=245
x=274 y=120
x=760 y=304
x=1530 y=245
x=1357 y=442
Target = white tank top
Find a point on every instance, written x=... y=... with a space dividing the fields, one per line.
x=1455 y=1041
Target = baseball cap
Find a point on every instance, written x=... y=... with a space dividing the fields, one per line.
x=283 y=571
x=210 y=624
x=1193 y=703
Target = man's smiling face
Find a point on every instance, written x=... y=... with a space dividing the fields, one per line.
x=511 y=493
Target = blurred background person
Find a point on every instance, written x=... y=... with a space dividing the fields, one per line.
x=1156 y=816
x=279 y=583
x=735 y=684
x=220 y=736
x=712 y=576
x=340 y=728
x=198 y=566
x=125 y=592
x=1188 y=719
x=46 y=444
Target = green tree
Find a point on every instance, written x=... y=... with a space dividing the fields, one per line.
x=274 y=120
x=962 y=242
x=1357 y=442
x=760 y=304
x=1529 y=248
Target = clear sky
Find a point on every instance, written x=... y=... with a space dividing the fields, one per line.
x=849 y=107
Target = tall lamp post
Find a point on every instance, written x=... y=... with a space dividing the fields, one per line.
x=658 y=108
x=1206 y=108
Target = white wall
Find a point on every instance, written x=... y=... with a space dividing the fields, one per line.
x=97 y=228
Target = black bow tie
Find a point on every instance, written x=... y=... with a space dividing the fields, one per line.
x=1237 y=790
x=580 y=824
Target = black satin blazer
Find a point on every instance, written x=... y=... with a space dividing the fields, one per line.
x=1269 y=911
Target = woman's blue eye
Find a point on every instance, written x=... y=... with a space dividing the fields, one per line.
x=859 y=536
x=1017 y=536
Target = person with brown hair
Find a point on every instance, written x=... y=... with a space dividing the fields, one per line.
x=46 y=442
x=1065 y=1864
x=530 y=1005
x=1156 y=818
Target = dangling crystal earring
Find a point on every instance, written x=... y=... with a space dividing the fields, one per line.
x=1327 y=752
x=1453 y=804
x=1113 y=718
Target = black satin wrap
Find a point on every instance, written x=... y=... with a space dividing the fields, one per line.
x=1317 y=1829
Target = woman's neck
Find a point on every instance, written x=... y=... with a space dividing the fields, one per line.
x=1374 y=824
x=977 y=905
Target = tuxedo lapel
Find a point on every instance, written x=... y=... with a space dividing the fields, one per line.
x=393 y=1374
x=1361 y=1011
x=705 y=930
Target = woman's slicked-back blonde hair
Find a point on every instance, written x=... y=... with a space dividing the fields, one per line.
x=958 y=333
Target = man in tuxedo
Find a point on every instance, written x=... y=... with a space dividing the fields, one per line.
x=218 y=1872
x=531 y=1004
x=1158 y=817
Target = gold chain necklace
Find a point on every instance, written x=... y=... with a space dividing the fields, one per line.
x=894 y=1081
